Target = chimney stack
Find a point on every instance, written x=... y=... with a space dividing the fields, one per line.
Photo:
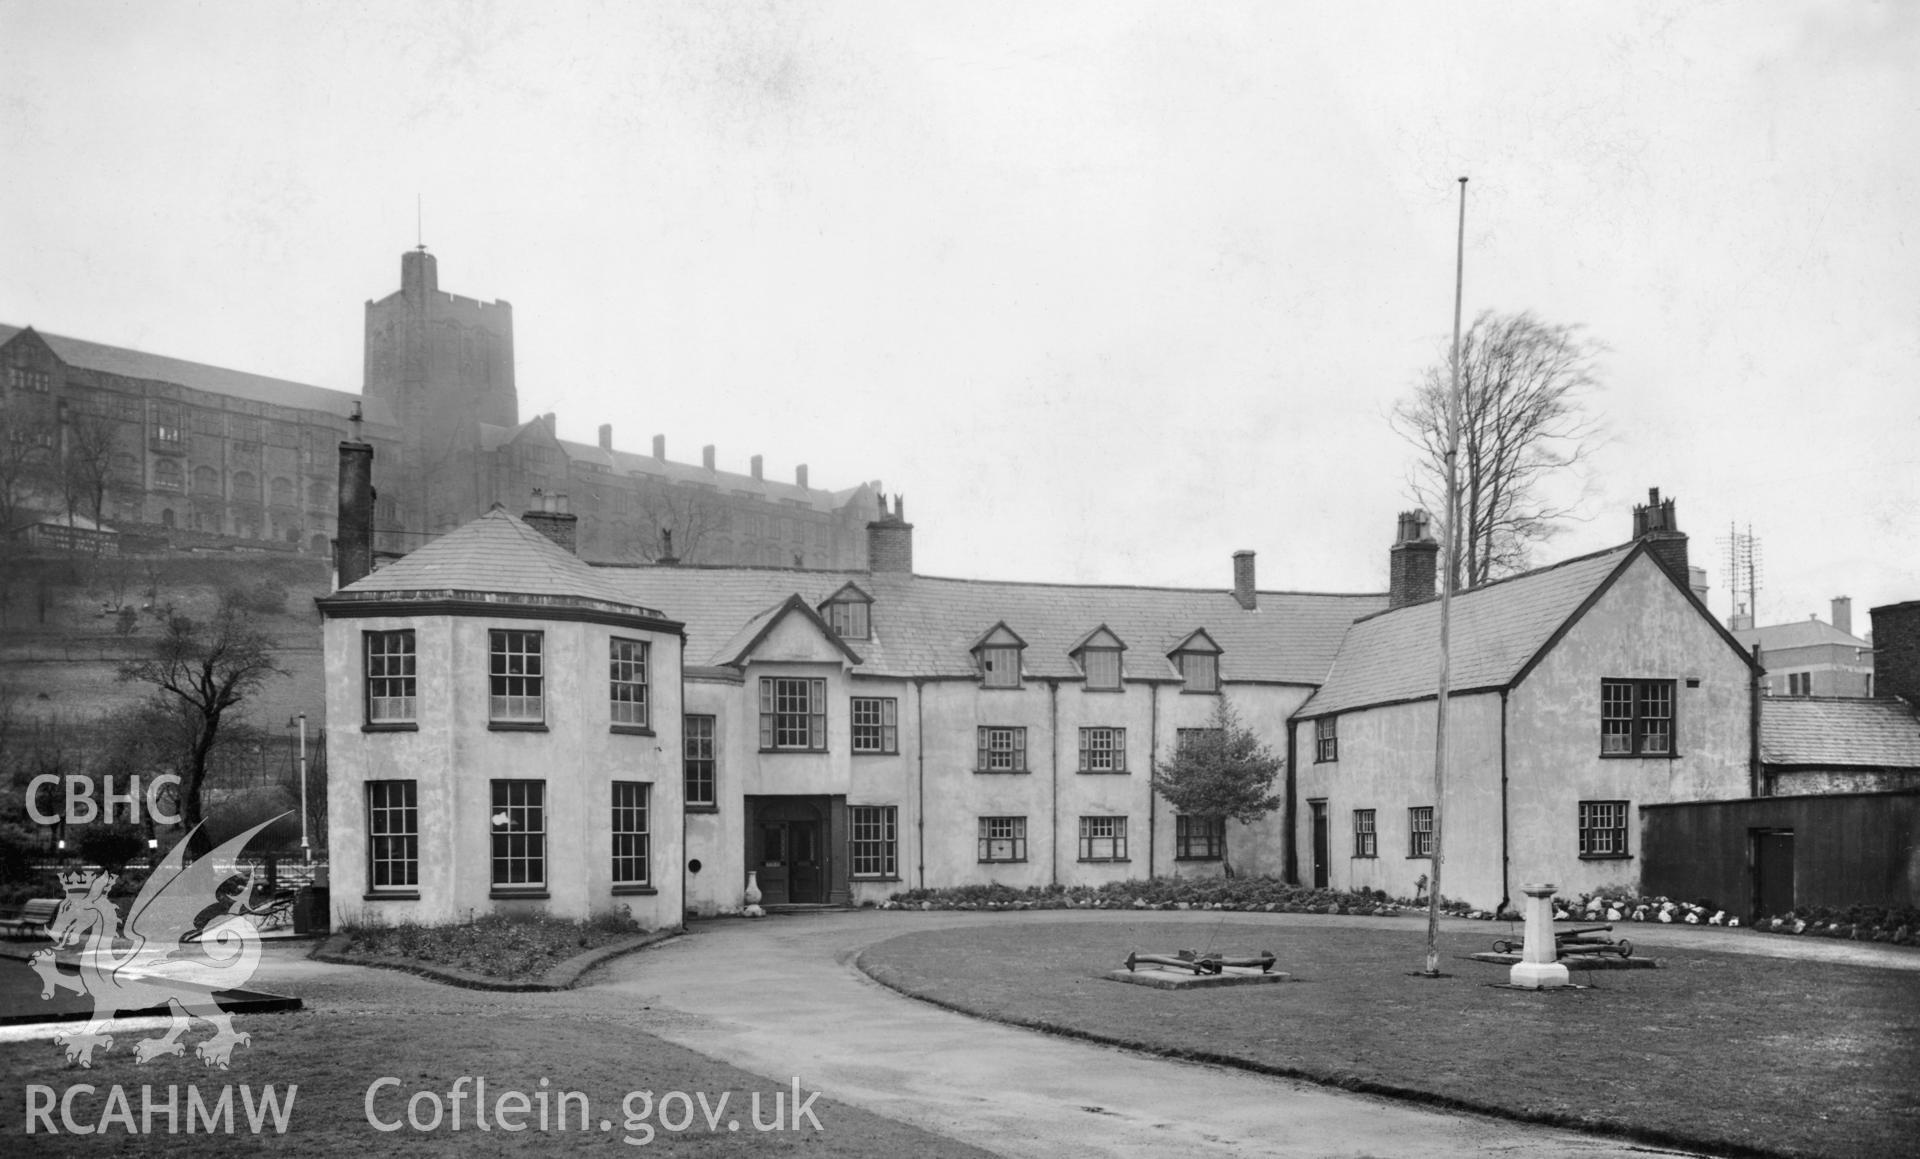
x=659 y=448
x=890 y=540
x=1896 y=651
x=606 y=436
x=353 y=541
x=1412 y=563
x=755 y=464
x=1243 y=580
x=706 y=456
x=1656 y=525
x=800 y=476
x=1843 y=613
x=549 y=516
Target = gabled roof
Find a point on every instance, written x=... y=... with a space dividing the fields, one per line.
x=927 y=625
x=1837 y=732
x=199 y=376
x=497 y=553
x=737 y=651
x=998 y=636
x=1196 y=641
x=1101 y=637
x=1796 y=634
x=1496 y=632
x=848 y=593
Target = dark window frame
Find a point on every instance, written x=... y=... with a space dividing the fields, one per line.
x=986 y=752
x=505 y=646
x=782 y=717
x=1632 y=712
x=1366 y=833
x=700 y=761
x=1115 y=750
x=629 y=828
x=1420 y=832
x=1326 y=740
x=517 y=847
x=873 y=842
x=393 y=823
x=1199 y=837
x=629 y=683
x=1115 y=838
x=1603 y=829
x=881 y=732
x=394 y=672
x=1013 y=840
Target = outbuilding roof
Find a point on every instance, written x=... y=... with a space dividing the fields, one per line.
x=927 y=625
x=1829 y=732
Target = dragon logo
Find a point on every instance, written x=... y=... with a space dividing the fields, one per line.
x=167 y=956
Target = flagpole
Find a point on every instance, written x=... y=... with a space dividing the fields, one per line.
x=1449 y=544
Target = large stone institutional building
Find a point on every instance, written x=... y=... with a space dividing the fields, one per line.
x=205 y=456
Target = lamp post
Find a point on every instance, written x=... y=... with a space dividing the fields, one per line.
x=306 y=850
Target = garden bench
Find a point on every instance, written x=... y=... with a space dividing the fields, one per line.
x=33 y=917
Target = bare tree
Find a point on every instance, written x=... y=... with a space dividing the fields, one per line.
x=680 y=522
x=201 y=674
x=1525 y=437
x=87 y=463
x=26 y=454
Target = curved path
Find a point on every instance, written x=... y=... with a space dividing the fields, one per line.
x=782 y=996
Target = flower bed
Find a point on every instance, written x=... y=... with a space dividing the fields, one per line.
x=1247 y=894
x=1859 y=923
x=1616 y=905
x=510 y=948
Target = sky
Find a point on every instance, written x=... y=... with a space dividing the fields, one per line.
x=1107 y=291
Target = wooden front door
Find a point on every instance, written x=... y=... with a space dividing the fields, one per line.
x=1772 y=871
x=791 y=866
x=1321 y=851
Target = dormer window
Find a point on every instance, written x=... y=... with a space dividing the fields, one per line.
x=1197 y=658
x=849 y=613
x=998 y=654
x=1098 y=654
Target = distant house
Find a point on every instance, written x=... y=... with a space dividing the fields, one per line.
x=1810 y=658
x=1838 y=745
x=1582 y=692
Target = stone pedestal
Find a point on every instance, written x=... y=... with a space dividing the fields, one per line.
x=752 y=897
x=1539 y=968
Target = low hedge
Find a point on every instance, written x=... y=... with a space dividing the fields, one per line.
x=495 y=946
x=1267 y=894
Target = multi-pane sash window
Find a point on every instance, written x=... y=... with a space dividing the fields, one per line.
x=1103 y=750
x=875 y=724
x=390 y=677
x=1199 y=838
x=627 y=682
x=1003 y=838
x=1603 y=829
x=1185 y=740
x=1201 y=670
x=1000 y=666
x=1636 y=717
x=1103 y=667
x=1103 y=839
x=874 y=838
x=1365 y=839
x=519 y=826
x=630 y=843
x=697 y=743
x=516 y=682
x=1420 y=831
x=1326 y=739
x=1002 y=750
x=848 y=619
x=793 y=713
x=393 y=835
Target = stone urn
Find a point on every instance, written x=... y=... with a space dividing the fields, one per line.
x=752 y=896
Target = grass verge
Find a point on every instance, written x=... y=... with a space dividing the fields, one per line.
x=1725 y=1052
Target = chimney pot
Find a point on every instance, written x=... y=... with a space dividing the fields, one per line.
x=1413 y=562
x=1243 y=589
x=800 y=476
x=606 y=436
x=755 y=462
x=1656 y=524
x=550 y=518
x=890 y=541
x=660 y=448
x=706 y=456
x=353 y=542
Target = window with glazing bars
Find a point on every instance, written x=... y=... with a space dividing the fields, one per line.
x=1199 y=838
x=393 y=835
x=390 y=677
x=519 y=826
x=793 y=713
x=873 y=840
x=627 y=682
x=1326 y=739
x=516 y=680
x=1636 y=717
x=1002 y=750
x=1603 y=829
x=1103 y=750
x=875 y=724
x=1365 y=839
x=1103 y=839
x=630 y=842
x=1003 y=838
x=697 y=742
x=1420 y=831
x=848 y=619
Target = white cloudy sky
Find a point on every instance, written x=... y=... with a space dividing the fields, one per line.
x=1107 y=290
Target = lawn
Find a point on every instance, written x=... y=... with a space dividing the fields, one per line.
x=1716 y=1051
x=363 y=1025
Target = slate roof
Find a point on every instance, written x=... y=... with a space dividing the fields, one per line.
x=1839 y=732
x=926 y=625
x=1495 y=630
x=1796 y=634
x=199 y=376
x=496 y=553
